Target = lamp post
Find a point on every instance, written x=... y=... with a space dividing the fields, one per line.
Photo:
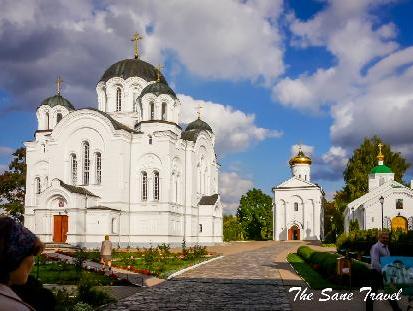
x=381 y=202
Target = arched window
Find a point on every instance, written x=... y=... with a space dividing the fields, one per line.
x=59 y=117
x=98 y=168
x=141 y=109
x=163 y=111
x=37 y=185
x=156 y=186
x=73 y=168
x=295 y=206
x=152 y=110
x=47 y=121
x=114 y=225
x=150 y=139
x=144 y=186
x=118 y=99
x=86 y=163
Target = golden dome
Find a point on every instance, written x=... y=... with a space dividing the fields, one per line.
x=300 y=158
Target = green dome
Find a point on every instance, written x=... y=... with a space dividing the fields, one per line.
x=158 y=88
x=381 y=169
x=132 y=68
x=198 y=124
x=58 y=100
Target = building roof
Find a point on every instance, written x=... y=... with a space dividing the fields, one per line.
x=77 y=189
x=57 y=100
x=103 y=208
x=209 y=200
x=117 y=125
x=300 y=158
x=198 y=124
x=158 y=88
x=132 y=68
x=381 y=169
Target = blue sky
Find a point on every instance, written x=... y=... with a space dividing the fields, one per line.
x=271 y=74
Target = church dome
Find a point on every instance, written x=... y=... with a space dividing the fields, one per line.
x=381 y=169
x=300 y=158
x=132 y=68
x=158 y=88
x=58 y=100
x=198 y=124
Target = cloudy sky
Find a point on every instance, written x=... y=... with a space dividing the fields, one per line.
x=270 y=74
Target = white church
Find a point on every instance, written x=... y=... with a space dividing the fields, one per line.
x=388 y=204
x=297 y=208
x=126 y=169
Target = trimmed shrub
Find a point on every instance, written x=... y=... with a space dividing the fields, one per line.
x=305 y=252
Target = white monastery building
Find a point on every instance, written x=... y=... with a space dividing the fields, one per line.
x=126 y=169
x=298 y=212
x=388 y=204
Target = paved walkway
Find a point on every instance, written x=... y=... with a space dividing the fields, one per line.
x=247 y=280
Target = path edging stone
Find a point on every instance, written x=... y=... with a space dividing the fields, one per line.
x=175 y=274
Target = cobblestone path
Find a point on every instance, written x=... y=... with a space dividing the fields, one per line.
x=244 y=281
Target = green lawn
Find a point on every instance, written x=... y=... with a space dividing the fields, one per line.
x=65 y=274
x=312 y=277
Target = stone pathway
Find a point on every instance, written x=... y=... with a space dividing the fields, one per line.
x=241 y=281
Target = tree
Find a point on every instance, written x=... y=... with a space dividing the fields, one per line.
x=232 y=228
x=359 y=166
x=353 y=225
x=255 y=215
x=13 y=184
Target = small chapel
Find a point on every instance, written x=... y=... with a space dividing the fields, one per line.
x=388 y=204
x=297 y=206
x=127 y=169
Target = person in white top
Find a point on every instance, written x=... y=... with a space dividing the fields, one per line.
x=18 y=246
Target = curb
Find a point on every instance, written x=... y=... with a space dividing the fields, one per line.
x=175 y=274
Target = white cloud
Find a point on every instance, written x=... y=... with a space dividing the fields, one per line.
x=234 y=129
x=232 y=187
x=367 y=89
x=6 y=150
x=79 y=39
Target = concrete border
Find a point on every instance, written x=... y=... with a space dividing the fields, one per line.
x=175 y=274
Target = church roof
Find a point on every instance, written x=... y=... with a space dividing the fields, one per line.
x=198 y=124
x=157 y=88
x=381 y=169
x=300 y=158
x=132 y=68
x=77 y=189
x=57 y=100
x=117 y=125
x=208 y=200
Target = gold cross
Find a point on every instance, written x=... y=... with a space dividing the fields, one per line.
x=380 y=145
x=158 y=72
x=199 y=110
x=59 y=82
x=135 y=39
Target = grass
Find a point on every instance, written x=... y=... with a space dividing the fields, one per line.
x=65 y=274
x=328 y=245
x=312 y=277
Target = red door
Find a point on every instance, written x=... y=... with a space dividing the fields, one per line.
x=60 y=228
x=294 y=233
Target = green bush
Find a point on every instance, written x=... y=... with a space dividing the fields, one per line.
x=305 y=252
x=89 y=294
x=232 y=229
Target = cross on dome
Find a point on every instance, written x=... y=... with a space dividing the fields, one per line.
x=199 y=110
x=158 y=72
x=380 y=156
x=59 y=82
x=135 y=39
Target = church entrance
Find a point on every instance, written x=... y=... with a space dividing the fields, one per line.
x=60 y=228
x=399 y=223
x=294 y=233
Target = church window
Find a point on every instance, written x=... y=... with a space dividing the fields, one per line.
x=176 y=190
x=47 y=121
x=200 y=227
x=296 y=207
x=98 y=163
x=59 y=117
x=156 y=186
x=118 y=99
x=372 y=219
x=150 y=139
x=152 y=110
x=141 y=109
x=37 y=185
x=164 y=111
x=44 y=148
x=114 y=225
x=299 y=176
x=86 y=163
x=144 y=186
x=73 y=168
